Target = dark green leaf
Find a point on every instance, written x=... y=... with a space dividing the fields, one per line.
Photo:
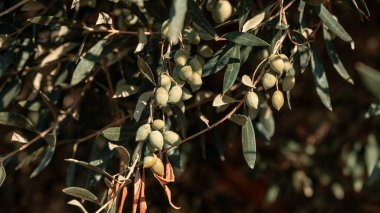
x=245 y=39
x=304 y=57
x=249 y=143
x=374 y=109
x=31 y=158
x=180 y=119
x=3 y=174
x=266 y=125
x=51 y=140
x=81 y=193
x=218 y=61
x=141 y=103
x=16 y=120
x=375 y=175
x=5 y=61
x=198 y=17
x=177 y=13
x=321 y=83
x=89 y=166
x=335 y=60
x=50 y=20
x=86 y=64
x=232 y=70
x=370 y=78
x=333 y=24
x=145 y=69
x=298 y=37
x=371 y=153
x=10 y=93
x=243 y=10
x=122 y=151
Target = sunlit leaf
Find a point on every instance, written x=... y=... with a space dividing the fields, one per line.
x=103 y=18
x=232 y=70
x=58 y=53
x=16 y=137
x=9 y=93
x=51 y=20
x=245 y=39
x=247 y=81
x=16 y=120
x=51 y=141
x=122 y=152
x=77 y=204
x=221 y=100
x=252 y=23
x=81 y=193
x=244 y=7
x=145 y=69
x=371 y=153
x=370 y=78
x=238 y=119
x=3 y=174
x=114 y=134
x=90 y=166
x=249 y=143
x=218 y=61
x=204 y=119
x=141 y=103
x=320 y=79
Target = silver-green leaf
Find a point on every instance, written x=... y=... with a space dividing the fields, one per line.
x=17 y=120
x=81 y=193
x=245 y=39
x=232 y=70
x=370 y=78
x=141 y=103
x=51 y=141
x=145 y=69
x=3 y=174
x=218 y=61
x=249 y=143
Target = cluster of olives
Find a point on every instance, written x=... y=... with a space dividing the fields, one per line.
x=221 y=10
x=157 y=136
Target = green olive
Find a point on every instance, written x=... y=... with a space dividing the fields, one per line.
x=181 y=56
x=268 y=80
x=161 y=96
x=186 y=72
x=186 y=94
x=156 y=139
x=175 y=94
x=171 y=138
x=288 y=83
x=165 y=81
x=205 y=51
x=143 y=132
x=252 y=100
x=158 y=168
x=277 y=100
x=276 y=63
x=287 y=64
x=195 y=82
x=196 y=65
x=150 y=160
x=158 y=124
x=222 y=11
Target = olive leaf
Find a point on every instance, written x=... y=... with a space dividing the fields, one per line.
x=238 y=119
x=252 y=23
x=244 y=7
x=51 y=141
x=51 y=20
x=77 y=204
x=371 y=153
x=17 y=120
x=87 y=63
x=58 y=52
x=90 y=166
x=115 y=134
x=232 y=70
x=245 y=39
x=81 y=193
x=247 y=81
x=3 y=174
x=9 y=93
x=249 y=143
x=266 y=125
x=370 y=78
x=141 y=103
x=218 y=61
x=221 y=100
x=334 y=58
x=333 y=24
x=321 y=83
x=198 y=17
x=6 y=60
x=122 y=151
x=145 y=69
x=374 y=109
x=304 y=57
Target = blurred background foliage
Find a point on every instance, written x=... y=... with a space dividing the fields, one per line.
x=317 y=160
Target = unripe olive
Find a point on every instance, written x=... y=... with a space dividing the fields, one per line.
x=186 y=72
x=186 y=94
x=268 y=80
x=205 y=51
x=165 y=29
x=287 y=64
x=276 y=63
x=171 y=138
x=151 y=148
x=156 y=139
x=132 y=19
x=210 y=5
x=181 y=56
x=192 y=36
x=262 y=54
x=175 y=94
x=196 y=65
x=277 y=100
x=288 y=83
x=158 y=124
x=161 y=96
x=222 y=11
x=200 y=59
x=150 y=160
x=314 y=2
x=195 y=82
x=158 y=168
x=143 y=132
x=165 y=82
x=176 y=76
x=252 y=100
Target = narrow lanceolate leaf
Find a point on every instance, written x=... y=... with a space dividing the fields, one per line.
x=243 y=10
x=145 y=69
x=334 y=58
x=198 y=17
x=89 y=166
x=249 y=143
x=320 y=79
x=77 y=204
x=122 y=152
x=51 y=141
x=252 y=23
x=266 y=125
x=371 y=153
x=50 y=20
x=370 y=78
x=333 y=25
x=304 y=57
x=245 y=39
x=232 y=69
x=141 y=103
x=17 y=120
x=375 y=175
x=177 y=18
x=112 y=133
x=58 y=52
x=87 y=63
x=239 y=119
x=2 y=174
x=374 y=109
x=81 y=193
x=218 y=61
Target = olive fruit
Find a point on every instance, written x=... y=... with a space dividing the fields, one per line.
x=165 y=29
x=171 y=138
x=268 y=80
x=210 y=5
x=185 y=73
x=277 y=100
x=222 y=11
x=150 y=148
x=205 y=51
x=150 y=160
x=287 y=64
x=161 y=96
x=196 y=66
x=156 y=139
x=276 y=63
x=186 y=94
x=192 y=36
x=314 y=2
x=142 y=132
x=158 y=168
x=262 y=54
x=200 y=59
x=288 y=83
x=176 y=76
x=165 y=82
x=181 y=56
x=252 y=100
x=195 y=82
x=158 y=124
x=175 y=94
